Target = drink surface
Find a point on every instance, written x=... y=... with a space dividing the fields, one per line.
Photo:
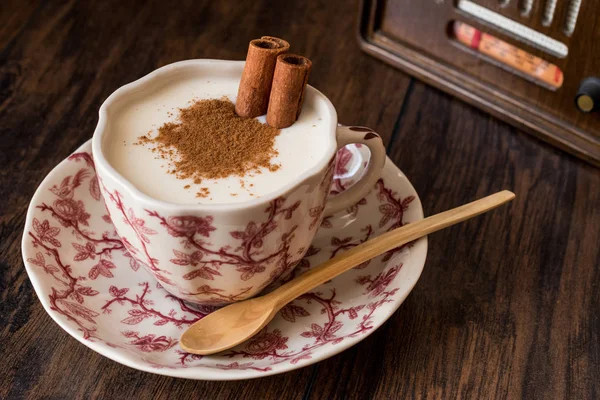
x=300 y=147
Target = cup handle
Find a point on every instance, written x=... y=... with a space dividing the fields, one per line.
x=358 y=134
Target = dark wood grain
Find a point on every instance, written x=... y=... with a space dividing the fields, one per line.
x=14 y=15
x=414 y=35
x=507 y=304
x=59 y=60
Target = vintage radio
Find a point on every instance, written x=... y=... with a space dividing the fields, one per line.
x=533 y=63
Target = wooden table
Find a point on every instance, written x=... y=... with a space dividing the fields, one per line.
x=508 y=305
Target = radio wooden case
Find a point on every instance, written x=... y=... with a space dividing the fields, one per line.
x=415 y=36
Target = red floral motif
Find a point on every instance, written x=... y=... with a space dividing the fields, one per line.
x=84 y=252
x=66 y=207
x=353 y=210
x=141 y=230
x=266 y=343
x=247 y=257
x=84 y=291
x=50 y=269
x=189 y=226
x=326 y=223
x=344 y=156
x=71 y=210
x=249 y=271
x=67 y=187
x=187 y=357
x=302 y=265
x=74 y=221
x=348 y=242
x=150 y=343
x=141 y=308
x=394 y=208
x=320 y=333
x=377 y=285
x=45 y=232
x=393 y=211
x=194 y=259
x=94 y=188
x=315 y=214
x=139 y=226
x=80 y=233
x=62 y=300
x=217 y=294
x=78 y=309
x=202 y=272
x=102 y=268
x=70 y=213
x=235 y=365
x=291 y=311
x=130 y=248
x=133 y=263
x=340 y=183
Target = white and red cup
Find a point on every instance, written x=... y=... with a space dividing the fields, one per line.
x=222 y=253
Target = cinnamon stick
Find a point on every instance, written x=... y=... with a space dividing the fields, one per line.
x=277 y=40
x=287 y=93
x=255 y=85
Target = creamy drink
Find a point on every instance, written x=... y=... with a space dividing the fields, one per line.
x=224 y=239
x=299 y=147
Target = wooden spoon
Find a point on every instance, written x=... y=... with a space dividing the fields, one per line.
x=236 y=323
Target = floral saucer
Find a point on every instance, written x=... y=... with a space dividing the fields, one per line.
x=90 y=285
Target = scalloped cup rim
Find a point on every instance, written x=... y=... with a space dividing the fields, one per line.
x=102 y=163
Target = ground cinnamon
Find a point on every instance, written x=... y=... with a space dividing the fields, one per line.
x=210 y=141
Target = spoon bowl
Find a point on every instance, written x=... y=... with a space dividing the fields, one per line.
x=228 y=326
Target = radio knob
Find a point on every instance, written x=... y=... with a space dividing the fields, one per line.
x=587 y=99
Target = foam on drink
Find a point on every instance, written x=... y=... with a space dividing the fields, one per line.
x=299 y=147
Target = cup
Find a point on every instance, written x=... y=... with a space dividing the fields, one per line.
x=215 y=254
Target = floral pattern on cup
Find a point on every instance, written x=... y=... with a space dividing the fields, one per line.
x=266 y=248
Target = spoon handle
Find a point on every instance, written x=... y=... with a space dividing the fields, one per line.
x=383 y=243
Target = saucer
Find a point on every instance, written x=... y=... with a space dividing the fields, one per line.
x=89 y=284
